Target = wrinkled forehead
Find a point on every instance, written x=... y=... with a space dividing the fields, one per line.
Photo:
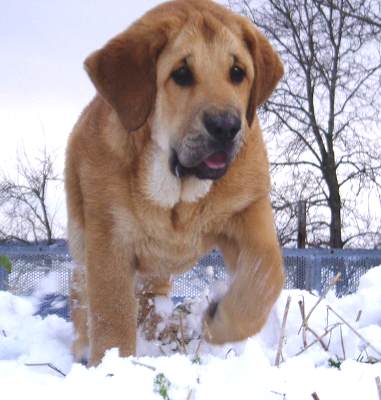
x=206 y=41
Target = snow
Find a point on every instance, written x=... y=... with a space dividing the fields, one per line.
x=243 y=370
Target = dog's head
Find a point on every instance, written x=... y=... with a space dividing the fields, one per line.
x=195 y=72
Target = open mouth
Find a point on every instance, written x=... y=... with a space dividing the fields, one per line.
x=217 y=160
x=214 y=166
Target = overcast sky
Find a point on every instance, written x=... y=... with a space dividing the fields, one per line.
x=43 y=86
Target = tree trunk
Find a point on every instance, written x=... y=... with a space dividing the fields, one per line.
x=302 y=224
x=335 y=226
x=334 y=203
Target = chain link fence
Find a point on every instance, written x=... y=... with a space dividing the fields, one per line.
x=308 y=269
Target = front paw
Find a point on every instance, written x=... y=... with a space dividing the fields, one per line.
x=216 y=327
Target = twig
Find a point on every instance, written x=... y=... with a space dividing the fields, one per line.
x=370 y=359
x=197 y=352
x=139 y=364
x=302 y=312
x=282 y=332
x=4 y=333
x=378 y=384
x=196 y=356
x=315 y=396
x=358 y=316
x=230 y=351
x=317 y=340
x=354 y=331
x=342 y=342
x=278 y=394
x=182 y=339
x=54 y=368
x=333 y=282
x=330 y=337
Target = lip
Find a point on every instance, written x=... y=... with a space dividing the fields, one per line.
x=213 y=166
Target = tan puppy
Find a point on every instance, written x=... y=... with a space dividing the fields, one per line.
x=167 y=162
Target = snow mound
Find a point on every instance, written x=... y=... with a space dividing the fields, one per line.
x=334 y=351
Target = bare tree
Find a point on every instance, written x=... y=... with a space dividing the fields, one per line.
x=24 y=209
x=370 y=13
x=325 y=115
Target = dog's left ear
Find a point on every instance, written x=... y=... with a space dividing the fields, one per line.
x=268 y=68
x=124 y=73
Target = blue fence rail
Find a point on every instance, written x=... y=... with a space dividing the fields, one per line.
x=310 y=269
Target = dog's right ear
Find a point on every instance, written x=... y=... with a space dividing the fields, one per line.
x=124 y=73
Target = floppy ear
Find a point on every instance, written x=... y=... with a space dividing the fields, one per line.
x=124 y=73
x=268 y=68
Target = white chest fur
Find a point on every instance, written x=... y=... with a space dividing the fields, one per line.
x=165 y=189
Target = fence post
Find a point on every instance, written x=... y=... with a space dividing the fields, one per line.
x=3 y=279
x=313 y=273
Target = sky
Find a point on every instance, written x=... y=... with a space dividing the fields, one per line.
x=43 y=86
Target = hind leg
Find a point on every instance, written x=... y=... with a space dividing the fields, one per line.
x=79 y=309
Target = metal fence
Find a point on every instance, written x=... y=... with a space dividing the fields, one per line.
x=308 y=269
x=314 y=269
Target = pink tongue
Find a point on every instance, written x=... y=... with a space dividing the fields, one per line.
x=216 y=161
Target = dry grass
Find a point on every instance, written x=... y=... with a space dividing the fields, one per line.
x=177 y=334
x=378 y=384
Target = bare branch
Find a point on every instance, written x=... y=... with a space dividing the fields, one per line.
x=324 y=117
x=24 y=200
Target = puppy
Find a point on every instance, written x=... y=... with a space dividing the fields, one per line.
x=166 y=163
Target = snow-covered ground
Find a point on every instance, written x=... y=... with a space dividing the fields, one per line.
x=343 y=364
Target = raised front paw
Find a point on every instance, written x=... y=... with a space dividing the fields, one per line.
x=217 y=327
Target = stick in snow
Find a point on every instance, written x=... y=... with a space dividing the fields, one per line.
x=139 y=364
x=279 y=394
x=303 y=314
x=182 y=336
x=333 y=282
x=282 y=332
x=378 y=384
x=51 y=366
x=317 y=340
x=342 y=343
x=354 y=331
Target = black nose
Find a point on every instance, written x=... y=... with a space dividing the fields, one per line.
x=223 y=126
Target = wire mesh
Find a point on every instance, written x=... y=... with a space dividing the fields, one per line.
x=312 y=270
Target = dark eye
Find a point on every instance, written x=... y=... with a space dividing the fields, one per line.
x=237 y=74
x=183 y=76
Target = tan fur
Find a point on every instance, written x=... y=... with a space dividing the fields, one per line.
x=130 y=219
